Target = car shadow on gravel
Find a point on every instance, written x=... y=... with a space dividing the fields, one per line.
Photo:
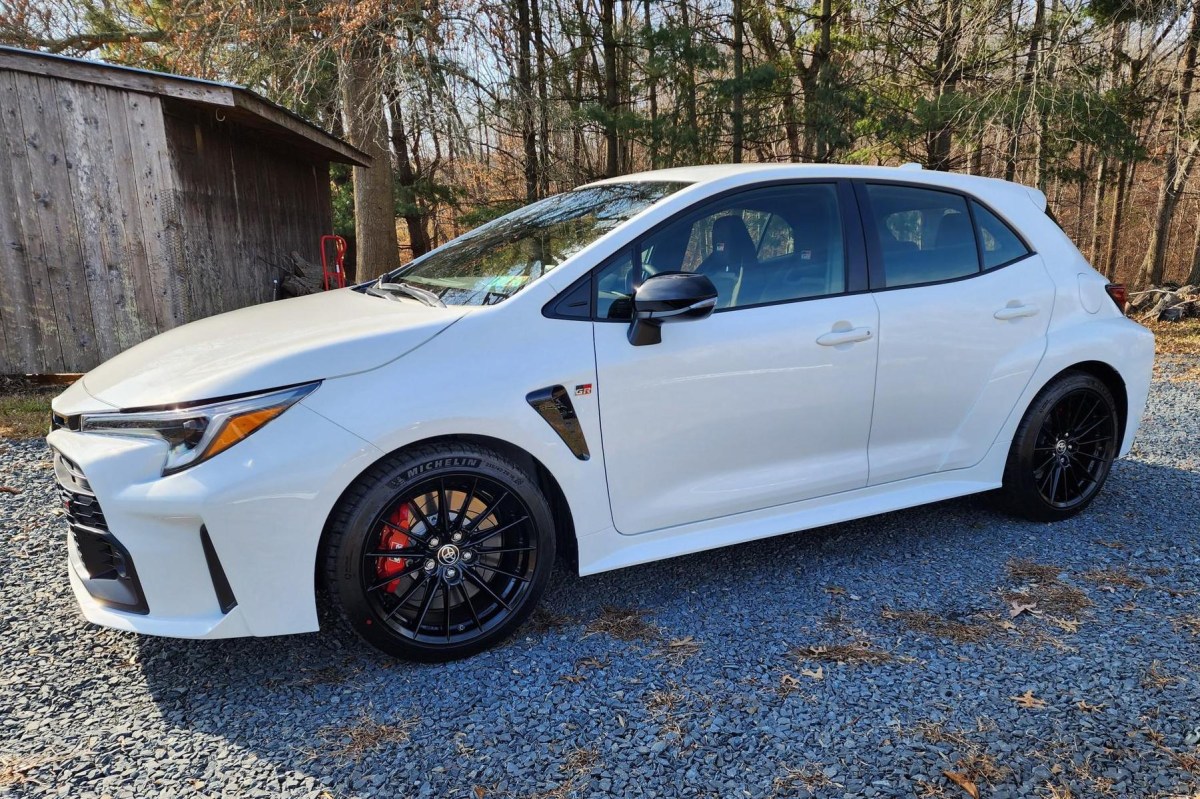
x=324 y=710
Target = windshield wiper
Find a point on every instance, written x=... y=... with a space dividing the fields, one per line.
x=409 y=290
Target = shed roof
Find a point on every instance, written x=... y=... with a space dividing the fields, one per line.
x=236 y=103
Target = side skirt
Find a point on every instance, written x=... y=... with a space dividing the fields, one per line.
x=609 y=549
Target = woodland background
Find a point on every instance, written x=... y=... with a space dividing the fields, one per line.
x=478 y=106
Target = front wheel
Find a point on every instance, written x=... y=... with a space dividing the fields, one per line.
x=440 y=552
x=1063 y=449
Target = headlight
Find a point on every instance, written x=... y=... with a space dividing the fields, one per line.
x=196 y=432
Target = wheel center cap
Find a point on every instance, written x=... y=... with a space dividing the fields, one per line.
x=448 y=555
x=1060 y=447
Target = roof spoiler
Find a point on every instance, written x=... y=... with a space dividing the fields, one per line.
x=1037 y=198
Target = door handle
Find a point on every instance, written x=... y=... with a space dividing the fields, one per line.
x=836 y=337
x=1015 y=312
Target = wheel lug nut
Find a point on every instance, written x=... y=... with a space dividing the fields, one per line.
x=456 y=537
x=468 y=555
x=430 y=565
x=451 y=572
x=433 y=542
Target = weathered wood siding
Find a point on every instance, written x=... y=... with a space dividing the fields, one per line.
x=87 y=240
x=123 y=214
x=247 y=203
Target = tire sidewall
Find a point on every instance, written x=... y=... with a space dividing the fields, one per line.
x=354 y=532
x=1019 y=482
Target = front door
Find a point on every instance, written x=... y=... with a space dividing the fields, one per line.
x=766 y=402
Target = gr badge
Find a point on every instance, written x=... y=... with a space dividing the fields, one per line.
x=583 y=390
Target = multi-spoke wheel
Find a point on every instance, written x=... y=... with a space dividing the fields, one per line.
x=1063 y=449
x=440 y=552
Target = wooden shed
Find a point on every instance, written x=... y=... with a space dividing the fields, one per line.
x=134 y=201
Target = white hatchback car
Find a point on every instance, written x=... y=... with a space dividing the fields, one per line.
x=640 y=368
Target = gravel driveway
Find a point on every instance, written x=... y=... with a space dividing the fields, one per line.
x=865 y=659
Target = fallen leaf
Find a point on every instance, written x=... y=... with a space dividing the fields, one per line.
x=819 y=674
x=9 y=490
x=835 y=590
x=962 y=782
x=1066 y=625
x=1029 y=701
x=479 y=792
x=1017 y=608
x=1083 y=705
x=788 y=681
x=1005 y=624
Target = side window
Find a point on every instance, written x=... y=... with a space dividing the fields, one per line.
x=614 y=287
x=759 y=246
x=1000 y=245
x=776 y=240
x=925 y=236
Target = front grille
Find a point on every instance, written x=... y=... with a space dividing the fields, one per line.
x=83 y=510
x=101 y=562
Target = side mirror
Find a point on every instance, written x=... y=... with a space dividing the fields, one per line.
x=669 y=297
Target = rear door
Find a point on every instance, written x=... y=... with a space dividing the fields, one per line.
x=964 y=305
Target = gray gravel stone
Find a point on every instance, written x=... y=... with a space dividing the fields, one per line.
x=92 y=712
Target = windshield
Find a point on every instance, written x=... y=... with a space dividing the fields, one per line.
x=498 y=259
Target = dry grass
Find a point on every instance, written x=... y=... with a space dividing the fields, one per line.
x=923 y=621
x=1189 y=622
x=808 y=779
x=352 y=742
x=624 y=624
x=580 y=760
x=1030 y=571
x=25 y=408
x=1157 y=678
x=975 y=763
x=543 y=620
x=1176 y=338
x=1113 y=578
x=850 y=653
x=678 y=650
x=1051 y=597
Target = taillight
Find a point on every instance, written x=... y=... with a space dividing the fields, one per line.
x=1119 y=295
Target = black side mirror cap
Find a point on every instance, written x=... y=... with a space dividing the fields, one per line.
x=669 y=297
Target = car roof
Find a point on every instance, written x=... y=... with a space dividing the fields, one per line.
x=758 y=172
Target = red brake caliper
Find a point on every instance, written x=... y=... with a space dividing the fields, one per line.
x=394 y=537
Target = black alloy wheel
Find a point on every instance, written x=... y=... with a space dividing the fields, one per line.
x=440 y=552
x=1063 y=450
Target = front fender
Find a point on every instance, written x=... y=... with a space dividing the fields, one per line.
x=473 y=381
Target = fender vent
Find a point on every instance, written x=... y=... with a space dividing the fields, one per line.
x=554 y=405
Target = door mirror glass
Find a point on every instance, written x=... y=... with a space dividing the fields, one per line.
x=669 y=297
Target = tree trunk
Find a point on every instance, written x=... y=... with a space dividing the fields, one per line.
x=539 y=43
x=525 y=99
x=1097 y=209
x=612 y=142
x=1193 y=278
x=652 y=85
x=362 y=73
x=418 y=235
x=1114 y=223
x=1025 y=97
x=1176 y=170
x=760 y=26
x=939 y=142
x=739 y=98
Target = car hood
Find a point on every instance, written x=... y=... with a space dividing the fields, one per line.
x=266 y=346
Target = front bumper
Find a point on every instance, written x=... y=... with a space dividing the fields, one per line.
x=227 y=548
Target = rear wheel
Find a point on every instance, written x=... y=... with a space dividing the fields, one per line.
x=440 y=552
x=1063 y=449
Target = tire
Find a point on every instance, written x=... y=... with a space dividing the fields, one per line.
x=462 y=581
x=1063 y=450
